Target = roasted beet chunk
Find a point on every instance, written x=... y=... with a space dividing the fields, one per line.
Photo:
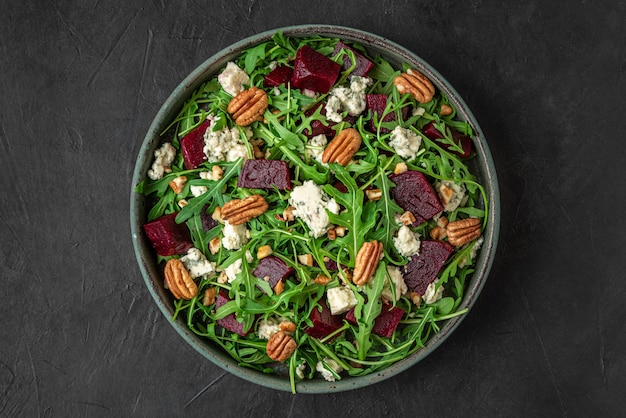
x=464 y=141
x=422 y=269
x=376 y=103
x=317 y=127
x=414 y=193
x=363 y=65
x=192 y=146
x=279 y=75
x=208 y=222
x=385 y=323
x=168 y=237
x=229 y=322
x=313 y=71
x=274 y=269
x=265 y=174
x=324 y=322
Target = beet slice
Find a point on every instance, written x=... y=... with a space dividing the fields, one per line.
x=376 y=103
x=324 y=322
x=363 y=65
x=274 y=268
x=229 y=322
x=422 y=269
x=414 y=193
x=265 y=174
x=167 y=236
x=317 y=127
x=192 y=146
x=313 y=71
x=464 y=141
x=385 y=323
x=279 y=75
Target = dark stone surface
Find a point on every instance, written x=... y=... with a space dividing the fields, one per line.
x=80 y=83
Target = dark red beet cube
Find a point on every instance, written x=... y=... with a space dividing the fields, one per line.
x=279 y=75
x=422 y=269
x=464 y=141
x=317 y=127
x=385 y=323
x=167 y=236
x=376 y=103
x=208 y=222
x=192 y=146
x=313 y=71
x=414 y=193
x=229 y=322
x=274 y=268
x=363 y=65
x=324 y=322
x=265 y=174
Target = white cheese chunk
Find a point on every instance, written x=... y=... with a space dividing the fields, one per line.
x=326 y=374
x=398 y=282
x=315 y=147
x=432 y=294
x=407 y=242
x=405 y=142
x=311 y=204
x=233 y=79
x=340 y=299
x=233 y=270
x=351 y=99
x=197 y=264
x=198 y=190
x=268 y=327
x=224 y=145
x=163 y=158
x=235 y=236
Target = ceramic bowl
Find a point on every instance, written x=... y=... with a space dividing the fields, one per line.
x=396 y=54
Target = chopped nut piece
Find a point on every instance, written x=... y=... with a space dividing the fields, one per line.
x=407 y=218
x=287 y=326
x=178 y=184
x=442 y=222
x=217 y=172
x=182 y=203
x=217 y=215
x=445 y=193
x=288 y=215
x=209 y=296
x=340 y=231
x=400 y=168
x=374 y=194
x=331 y=234
x=322 y=280
x=214 y=245
x=263 y=251
x=437 y=233
x=306 y=259
x=222 y=278
x=416 y=298
x=278 y=289
x=445 y=110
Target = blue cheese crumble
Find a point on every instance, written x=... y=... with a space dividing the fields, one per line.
x=197 y=264
x=405 y=142
x=224 y=145
x=163 y=158
x=350 y=98
x=340 y=299
x=233 y=79
x=407 y=242
x=310 y=203
x=398 y=283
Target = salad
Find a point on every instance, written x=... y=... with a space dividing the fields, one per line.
x=313 y=208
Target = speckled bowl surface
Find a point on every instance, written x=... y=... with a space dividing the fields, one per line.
x=396 y=54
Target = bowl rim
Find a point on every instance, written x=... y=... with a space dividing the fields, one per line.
x=144 y=252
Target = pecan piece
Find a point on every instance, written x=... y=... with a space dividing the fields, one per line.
x=178 y=280
x=463 y=231
x=366 y=262
x=416 y=84
x=248 y=106
x=343 y=147
x=280 y=346
x=239 y=211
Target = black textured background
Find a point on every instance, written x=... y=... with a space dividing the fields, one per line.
x=80 y=82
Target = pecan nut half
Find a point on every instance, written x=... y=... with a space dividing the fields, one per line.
x=463 y=231
x=416 y=84
x=248 y=106
x=366 y=262
x=179 y=281
x=343 y=147
x=239 y=211
x=280 y=346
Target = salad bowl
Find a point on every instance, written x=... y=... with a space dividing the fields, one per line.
x=151 y=263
